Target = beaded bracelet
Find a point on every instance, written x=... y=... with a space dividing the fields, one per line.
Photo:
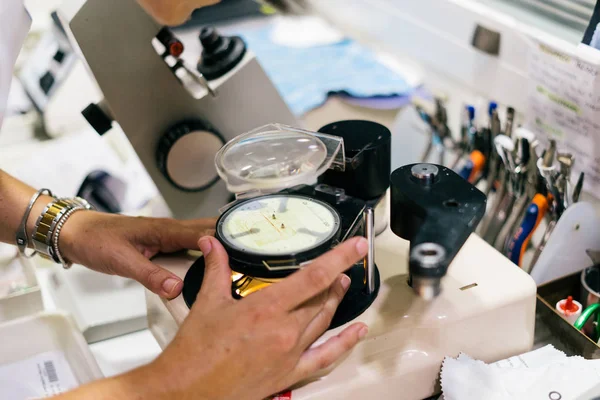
x=58 y=258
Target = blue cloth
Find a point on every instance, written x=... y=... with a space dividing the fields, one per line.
x=306 y=76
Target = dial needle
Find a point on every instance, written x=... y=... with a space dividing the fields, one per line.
x=272 y=224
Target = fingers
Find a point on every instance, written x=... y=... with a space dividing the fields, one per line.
x=132 y=264
x=170 y=13
x=322 y=319
x=178 y=235
x=320 y=274
x=206 y=225
x=324 y=355
x=217 y=274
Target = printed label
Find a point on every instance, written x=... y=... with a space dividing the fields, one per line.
x=42 y=375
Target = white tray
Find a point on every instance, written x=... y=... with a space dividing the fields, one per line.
x=25 y=301
x=43 y=355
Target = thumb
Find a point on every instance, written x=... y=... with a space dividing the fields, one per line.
x=217 y=274
x=153 y=277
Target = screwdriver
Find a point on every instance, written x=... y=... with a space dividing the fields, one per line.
x=548 y=158
x=510 y=118
x=534 y=215
x=473 y=167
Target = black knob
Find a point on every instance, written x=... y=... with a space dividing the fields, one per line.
x=97 y=118
x=210 y=39
x=220 y=54
x=59 y=56
x=185 y=155
x=47 y=82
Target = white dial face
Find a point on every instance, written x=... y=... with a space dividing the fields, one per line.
x=279 y=224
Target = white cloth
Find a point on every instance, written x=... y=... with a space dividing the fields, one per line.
x=14 y=25
x=545 y=373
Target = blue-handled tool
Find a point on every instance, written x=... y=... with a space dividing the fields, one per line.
x=473 y=166
x=466 y=170
x=534 y=215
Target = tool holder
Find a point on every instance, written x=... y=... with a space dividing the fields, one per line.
x=552 y=328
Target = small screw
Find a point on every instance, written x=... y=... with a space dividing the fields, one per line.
x=274 y=217
x=282 y=226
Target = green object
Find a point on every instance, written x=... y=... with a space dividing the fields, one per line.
x=586 y=315
x=267 y=10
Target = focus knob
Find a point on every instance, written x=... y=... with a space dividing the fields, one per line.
x=97 y=118
x=220 y=54
x=186 y=155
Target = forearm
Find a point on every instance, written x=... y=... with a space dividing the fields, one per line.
x=14 y=198
x=105 y=389
x=139 y=384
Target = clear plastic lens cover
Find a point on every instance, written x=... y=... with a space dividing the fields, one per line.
x=275 y=157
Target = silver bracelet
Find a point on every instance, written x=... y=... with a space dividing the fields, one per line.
x=21 y=236
x=83 y=203
x=55 y=236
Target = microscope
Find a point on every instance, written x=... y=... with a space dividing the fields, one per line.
x=429 y=287
x=176 y=115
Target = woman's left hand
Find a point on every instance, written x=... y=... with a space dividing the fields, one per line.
x=122 y=245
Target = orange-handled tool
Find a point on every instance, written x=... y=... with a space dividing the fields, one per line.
x=534 y=215
x=474 y=166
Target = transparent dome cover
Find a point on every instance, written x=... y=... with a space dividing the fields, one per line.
x=274 y=157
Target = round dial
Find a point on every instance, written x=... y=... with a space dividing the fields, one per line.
x=278 y=225
x=185 y=155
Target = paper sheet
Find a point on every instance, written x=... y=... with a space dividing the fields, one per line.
x=43 y=375
x=564 y=104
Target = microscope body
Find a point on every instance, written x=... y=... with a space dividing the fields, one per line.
x=175 y=130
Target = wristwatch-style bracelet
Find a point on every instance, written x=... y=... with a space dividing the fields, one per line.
x=47 y=223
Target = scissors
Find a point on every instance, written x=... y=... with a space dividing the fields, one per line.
x=515 y=158
x=493 y=221
x=468 y=136
x=439 y=133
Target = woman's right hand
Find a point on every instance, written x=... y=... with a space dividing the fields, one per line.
x=252 y=348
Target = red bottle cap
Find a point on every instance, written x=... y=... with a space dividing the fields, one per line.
x=568 y=306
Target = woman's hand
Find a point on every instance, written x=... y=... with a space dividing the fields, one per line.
x=170 y=12
x=121 y=245
x=251 y=348
x=246 y=349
